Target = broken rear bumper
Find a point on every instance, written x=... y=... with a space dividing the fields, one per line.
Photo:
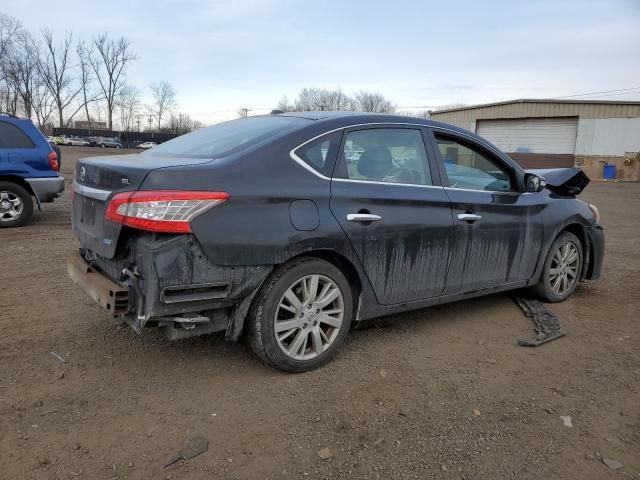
x=168 y=282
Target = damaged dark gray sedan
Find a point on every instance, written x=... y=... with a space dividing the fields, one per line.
x=289 y=227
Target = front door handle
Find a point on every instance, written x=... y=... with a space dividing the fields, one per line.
x=469 y=217
x=363 y=217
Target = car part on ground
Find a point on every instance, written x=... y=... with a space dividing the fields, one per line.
x=547 y=325
x=255 y=214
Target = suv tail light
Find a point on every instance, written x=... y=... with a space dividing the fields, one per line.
x=53 y=161
x=167 y=211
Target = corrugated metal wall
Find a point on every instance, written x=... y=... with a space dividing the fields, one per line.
x=466 y=118
x=608 y=136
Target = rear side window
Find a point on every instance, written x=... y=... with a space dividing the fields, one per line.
x=12 y=137
x=320 y=153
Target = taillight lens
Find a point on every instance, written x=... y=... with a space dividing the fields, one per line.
x=167 y=211
x=53 y=161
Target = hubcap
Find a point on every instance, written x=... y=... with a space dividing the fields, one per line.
x=11 y=206
x=563 y=273
x=309 y=317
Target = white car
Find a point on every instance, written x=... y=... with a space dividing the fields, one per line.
x=78 y=142
x=147 y=145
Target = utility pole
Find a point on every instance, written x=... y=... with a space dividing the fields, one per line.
x=150 y=121
x=138 y=121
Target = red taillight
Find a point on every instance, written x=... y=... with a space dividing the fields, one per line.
x=53 y=161
x=167 y=211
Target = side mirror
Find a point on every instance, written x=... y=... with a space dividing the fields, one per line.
x=533 y=183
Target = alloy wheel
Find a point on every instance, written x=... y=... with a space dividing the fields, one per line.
x=309 y=317
x=11 y=206
x=563 y=271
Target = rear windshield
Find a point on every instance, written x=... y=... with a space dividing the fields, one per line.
x=225 y=138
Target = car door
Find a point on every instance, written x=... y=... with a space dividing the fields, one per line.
x=498 y=228
x=386 y=196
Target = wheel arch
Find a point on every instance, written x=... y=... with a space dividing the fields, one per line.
x=18 y=181
x=237 y=321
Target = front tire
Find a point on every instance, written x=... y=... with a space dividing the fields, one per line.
x=561 y=270
x=301 y=315
x=16 y=206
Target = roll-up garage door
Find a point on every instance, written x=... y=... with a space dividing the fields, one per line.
x=534 y=142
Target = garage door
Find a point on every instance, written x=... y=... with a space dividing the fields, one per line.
x=534 y=142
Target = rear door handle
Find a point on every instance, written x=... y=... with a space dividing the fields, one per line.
x=363 y=217
x=469 y=217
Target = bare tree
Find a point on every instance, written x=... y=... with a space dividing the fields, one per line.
x=9 y=95
x=108 y=62
x=313 y=99
x=22 y=69
x=55 y=66
x=43 y=105
x=86 y=78
x=164 y=100
x=243 y=112
x=374 y=102
x=9 y=28
x=128 y=104
x=284 y=105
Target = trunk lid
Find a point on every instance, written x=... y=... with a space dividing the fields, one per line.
x=96 y=180
x=563 y=181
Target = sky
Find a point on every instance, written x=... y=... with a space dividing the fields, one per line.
x=421 y=54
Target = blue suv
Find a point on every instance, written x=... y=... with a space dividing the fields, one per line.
x=28 y=168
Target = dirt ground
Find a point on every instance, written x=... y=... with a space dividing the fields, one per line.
x=439 y=393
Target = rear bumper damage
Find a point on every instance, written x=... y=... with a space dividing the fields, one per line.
x=167 y=282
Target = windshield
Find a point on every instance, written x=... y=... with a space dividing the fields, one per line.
x=225 y=138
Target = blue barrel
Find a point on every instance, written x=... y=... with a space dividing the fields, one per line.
x=609 y=171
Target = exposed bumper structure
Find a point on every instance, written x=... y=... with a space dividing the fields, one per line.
x=106 y=293
x=167 y=282
x=46 y=189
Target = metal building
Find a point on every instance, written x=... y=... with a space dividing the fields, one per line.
x=559 y=133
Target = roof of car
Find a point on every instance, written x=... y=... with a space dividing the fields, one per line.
x=344 y=119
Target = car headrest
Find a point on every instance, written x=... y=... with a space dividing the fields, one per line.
x=375 y=162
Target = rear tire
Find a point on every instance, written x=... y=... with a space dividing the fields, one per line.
x=561 y=269
x=16 y=206
x=301 y=315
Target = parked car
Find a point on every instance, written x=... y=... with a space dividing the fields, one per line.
x=289 y=227
x=75 y=141
x=28 y=168
x=109 y=142
x=147 y=145
x=56 y=140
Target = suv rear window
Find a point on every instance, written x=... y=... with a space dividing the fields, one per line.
x=225 y=138
x=12 y=137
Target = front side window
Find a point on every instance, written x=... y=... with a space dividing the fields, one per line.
x=470 y=169
x=12 y=137
x=390 y=155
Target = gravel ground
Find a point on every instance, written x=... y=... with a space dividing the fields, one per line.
x=437 y=393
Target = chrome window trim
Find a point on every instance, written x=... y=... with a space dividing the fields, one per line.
x=297 y=159
x=374 y=182
x=91 y=192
